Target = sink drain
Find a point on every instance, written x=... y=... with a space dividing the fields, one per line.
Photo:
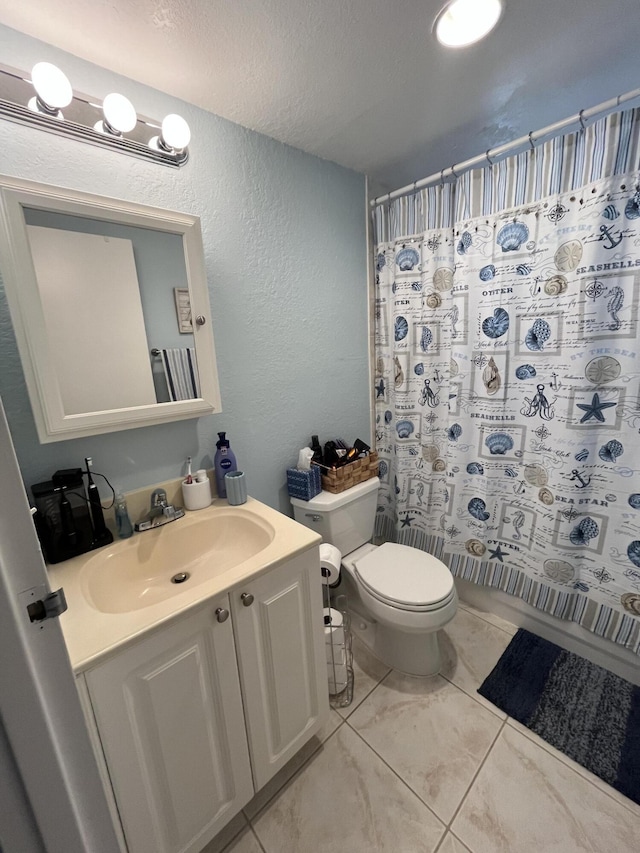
x=181 y=577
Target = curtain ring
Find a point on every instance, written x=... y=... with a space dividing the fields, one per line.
x=489 y=160
x=531 y=142
x=581 y=119
x=441 y=177
x=453 y=171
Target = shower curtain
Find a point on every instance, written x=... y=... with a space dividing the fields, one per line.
x=507 y=375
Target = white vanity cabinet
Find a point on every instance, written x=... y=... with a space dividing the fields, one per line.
x=168 y=710
x=277 y=618
x=186 y=713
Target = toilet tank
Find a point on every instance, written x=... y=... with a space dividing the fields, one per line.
x=345 y=520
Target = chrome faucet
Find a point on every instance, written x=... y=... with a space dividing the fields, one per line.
x=160 y=512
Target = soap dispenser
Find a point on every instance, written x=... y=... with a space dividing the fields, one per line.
x=224 y=462
x=124 y=527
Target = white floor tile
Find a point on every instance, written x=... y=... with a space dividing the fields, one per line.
x=471 y=647
x=451 y=844
x=431 y=733
x=524 y=799
x=346 y=800
x=434 y=733
x=634 y=808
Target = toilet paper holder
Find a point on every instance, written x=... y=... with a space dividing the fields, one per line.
x=338 y=649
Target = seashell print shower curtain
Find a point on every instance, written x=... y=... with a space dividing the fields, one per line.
x=507 y=375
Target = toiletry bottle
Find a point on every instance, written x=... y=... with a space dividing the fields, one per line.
x=224 y=462
x=124 y=527
x=331 y=456
x=317 y=450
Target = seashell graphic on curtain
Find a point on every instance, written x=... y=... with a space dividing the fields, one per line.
x=514 y=436
x=407 y=259
x=512 y=236
x=491 y=378
x=499 y=443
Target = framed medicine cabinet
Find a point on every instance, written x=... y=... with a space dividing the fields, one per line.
x=110 y=308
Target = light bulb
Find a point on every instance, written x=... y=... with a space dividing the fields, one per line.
x=52 y=86
x=463 y=22
x=175 y=132
x=119 y=113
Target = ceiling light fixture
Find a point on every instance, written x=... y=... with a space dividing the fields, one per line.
x=463 y=22
x=110 y=123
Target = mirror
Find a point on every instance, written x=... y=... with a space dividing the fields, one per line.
x=110 y=308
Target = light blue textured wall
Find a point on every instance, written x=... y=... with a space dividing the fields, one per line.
x=285 y=254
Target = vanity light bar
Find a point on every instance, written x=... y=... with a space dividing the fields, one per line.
x=82 y=119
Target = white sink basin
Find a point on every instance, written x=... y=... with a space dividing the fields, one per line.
x=136 y=573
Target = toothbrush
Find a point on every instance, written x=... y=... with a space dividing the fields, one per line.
x=189 y=477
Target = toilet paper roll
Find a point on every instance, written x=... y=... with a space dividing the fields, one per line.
x=330 y=562
x=337 y=676
x=335 y=654
x=333 y=628
x=332 y=619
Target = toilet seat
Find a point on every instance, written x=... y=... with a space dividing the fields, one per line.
x=405 y=578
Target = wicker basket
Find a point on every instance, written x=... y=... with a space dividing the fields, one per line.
x=339 y=479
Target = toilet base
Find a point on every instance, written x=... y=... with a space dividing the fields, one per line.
x=411 y=654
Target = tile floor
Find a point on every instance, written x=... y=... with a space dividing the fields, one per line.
x=425 y=765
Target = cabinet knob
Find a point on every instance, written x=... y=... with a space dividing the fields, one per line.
x=200 y=320
x=247 y=599
x=221 y=614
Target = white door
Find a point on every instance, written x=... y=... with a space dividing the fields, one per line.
x=169 y=715
x=277 y=619
x=54 y=775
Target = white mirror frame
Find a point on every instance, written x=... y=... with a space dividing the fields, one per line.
x=28 y=317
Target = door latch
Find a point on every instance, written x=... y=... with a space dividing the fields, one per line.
x=49 y=607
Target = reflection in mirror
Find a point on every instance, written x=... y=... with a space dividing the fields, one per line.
x=110 y=290
x=102 y=293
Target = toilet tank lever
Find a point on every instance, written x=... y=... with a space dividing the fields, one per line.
x=313 y=516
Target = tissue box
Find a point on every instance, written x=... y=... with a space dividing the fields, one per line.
x=304 y=484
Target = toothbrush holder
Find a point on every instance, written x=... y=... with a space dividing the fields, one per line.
x=236 y=484
x=196 y=495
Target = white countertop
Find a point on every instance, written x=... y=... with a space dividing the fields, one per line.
x=92 y=634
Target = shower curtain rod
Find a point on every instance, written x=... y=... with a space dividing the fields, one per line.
x=509 y=147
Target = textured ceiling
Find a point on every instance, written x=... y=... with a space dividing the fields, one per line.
x=360 y=82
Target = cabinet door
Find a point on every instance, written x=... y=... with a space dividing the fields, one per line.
x=169 y=714
x=280 y=643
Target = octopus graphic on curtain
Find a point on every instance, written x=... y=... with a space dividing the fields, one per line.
x=508 y=401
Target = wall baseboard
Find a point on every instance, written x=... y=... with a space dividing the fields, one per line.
x=568 y=635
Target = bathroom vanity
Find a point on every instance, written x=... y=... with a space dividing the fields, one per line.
x=196 y=693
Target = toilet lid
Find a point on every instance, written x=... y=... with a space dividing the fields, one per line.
x=399 y=573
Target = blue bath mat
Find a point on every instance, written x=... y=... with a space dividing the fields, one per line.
x=585 y=711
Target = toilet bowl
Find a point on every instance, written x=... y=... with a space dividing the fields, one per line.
x=410 y=596
x=404 y=595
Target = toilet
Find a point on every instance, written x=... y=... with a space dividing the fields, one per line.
x=400 y=597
